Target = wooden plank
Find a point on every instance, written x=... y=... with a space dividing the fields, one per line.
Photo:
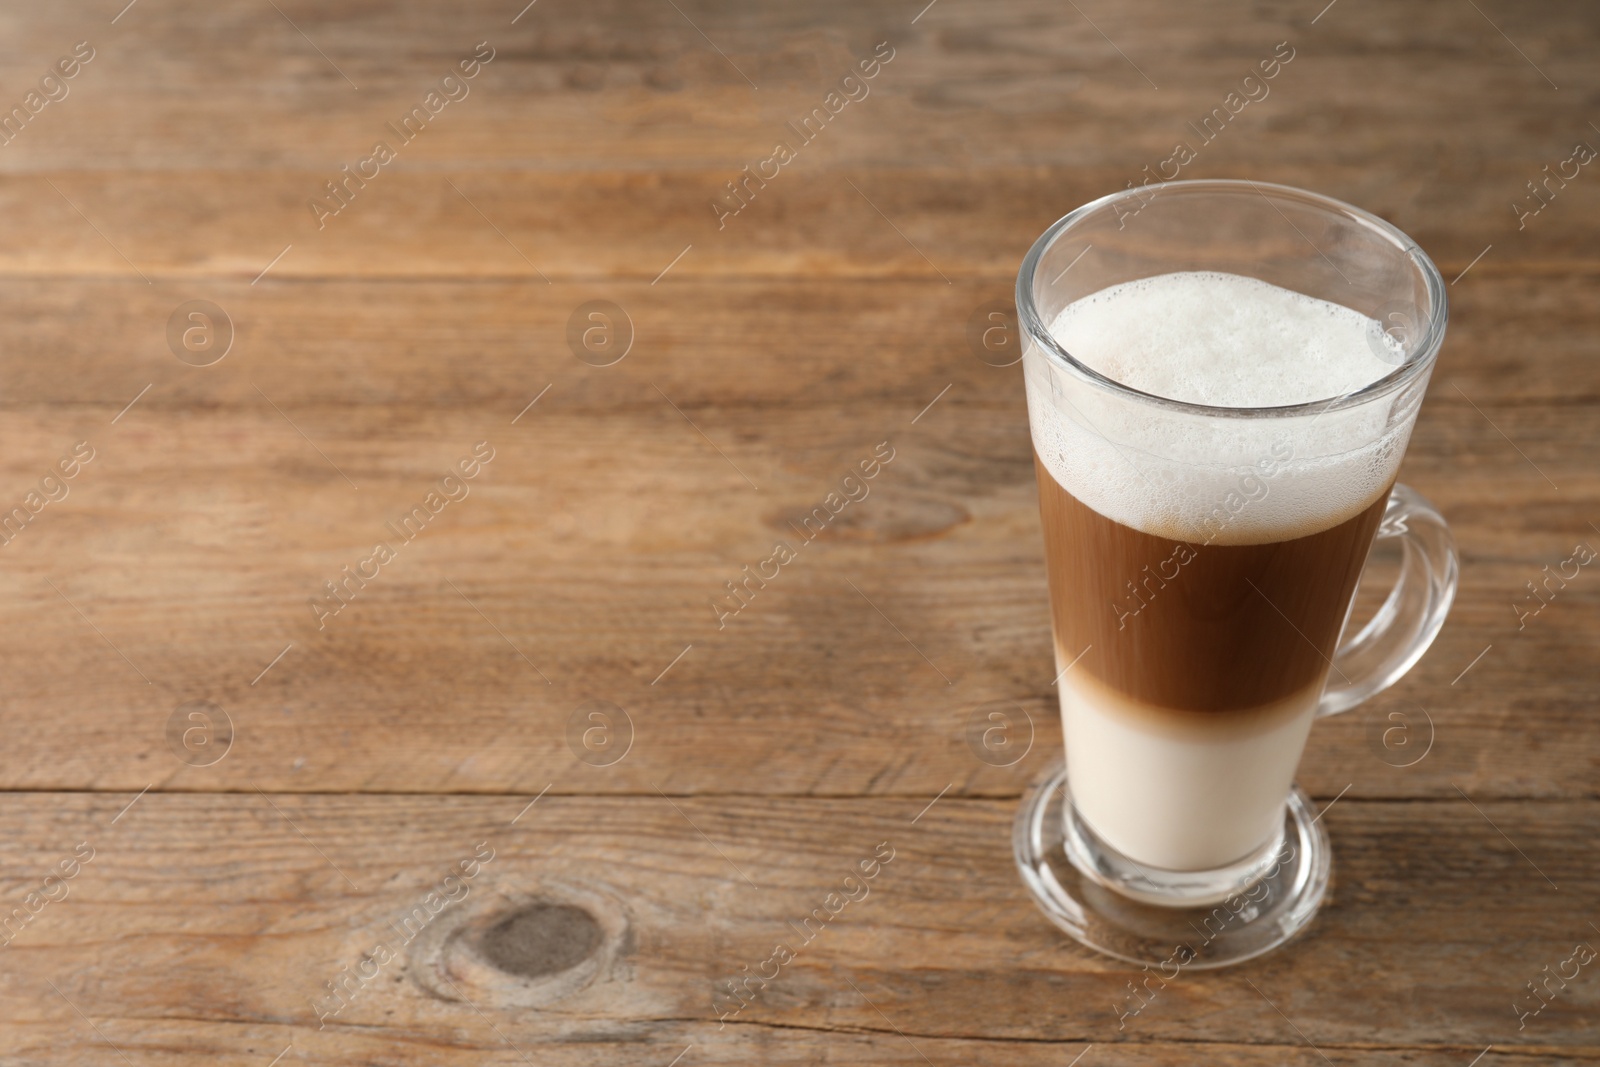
x=986 y=125
x=1433 y=93
x=596 y=543
x=930 y=224
x=758 y=345
x=229 y=913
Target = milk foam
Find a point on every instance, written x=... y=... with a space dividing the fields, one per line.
x=1230 y=341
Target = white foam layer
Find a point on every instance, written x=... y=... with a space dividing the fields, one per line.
x=1225 y=340
x=1229 y=341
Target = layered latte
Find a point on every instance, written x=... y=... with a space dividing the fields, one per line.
x=1201 y=564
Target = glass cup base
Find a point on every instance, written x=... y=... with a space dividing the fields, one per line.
x=1184 y=919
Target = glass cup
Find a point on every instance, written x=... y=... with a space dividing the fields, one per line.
x=1202 y=564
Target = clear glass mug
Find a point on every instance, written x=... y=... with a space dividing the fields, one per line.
x=1195 y=651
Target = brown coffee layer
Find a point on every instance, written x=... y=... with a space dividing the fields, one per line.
x=1193 y=627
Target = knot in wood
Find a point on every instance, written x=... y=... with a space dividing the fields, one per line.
x=541 y=939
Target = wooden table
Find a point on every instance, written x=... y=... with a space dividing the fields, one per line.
x=521 y=792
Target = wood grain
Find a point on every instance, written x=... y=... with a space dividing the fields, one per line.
x=1434 y=925
x=598 y=539
x=745 y=765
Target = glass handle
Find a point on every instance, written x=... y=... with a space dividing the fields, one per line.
x=1399 y=633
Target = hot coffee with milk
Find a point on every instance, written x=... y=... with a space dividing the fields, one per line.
x=1200 y=576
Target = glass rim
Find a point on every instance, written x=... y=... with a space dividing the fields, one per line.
x=1426 y=351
